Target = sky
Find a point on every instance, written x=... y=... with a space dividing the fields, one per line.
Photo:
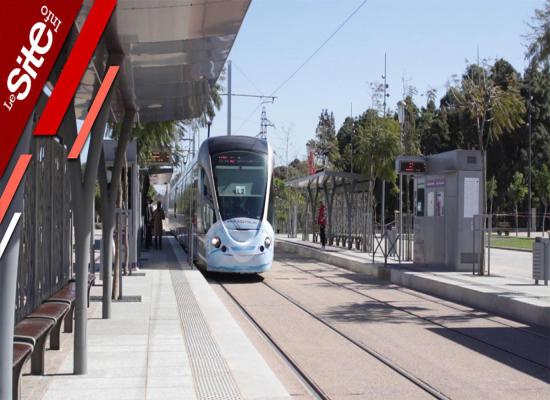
x=426 y=42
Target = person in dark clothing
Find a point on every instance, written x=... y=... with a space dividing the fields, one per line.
x=149 y=224
x=158 y=217
x=322 y=221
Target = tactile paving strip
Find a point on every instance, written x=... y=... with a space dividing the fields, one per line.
x=211 y=375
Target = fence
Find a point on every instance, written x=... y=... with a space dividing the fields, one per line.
x=45 y=252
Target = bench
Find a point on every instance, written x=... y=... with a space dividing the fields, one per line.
x=503 y=226
x=54 y=312
x=91 y=282
x=21 y=354
x=67 y=295
x=34 y=332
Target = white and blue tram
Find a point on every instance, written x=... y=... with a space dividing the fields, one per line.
x=219 y=208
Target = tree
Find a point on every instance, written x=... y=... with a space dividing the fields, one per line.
x=433 y=129
x=411 y=137
x=517 y=192
x=538 y=49
x=346 y=144
x=492 y=192
x=378 y=140
x=542 y=187
x=494 y=111
x=326 y=144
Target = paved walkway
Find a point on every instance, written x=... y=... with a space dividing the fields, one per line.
x=509 y=290
x=171 y=339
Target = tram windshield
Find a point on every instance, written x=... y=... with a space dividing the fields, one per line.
x=241 y=180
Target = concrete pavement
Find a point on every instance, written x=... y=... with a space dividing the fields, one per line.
x=172 y=339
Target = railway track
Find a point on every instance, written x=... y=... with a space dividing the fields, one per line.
x=314 y=387
x=429 y=320
x=311 y=386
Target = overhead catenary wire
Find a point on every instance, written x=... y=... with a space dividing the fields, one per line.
x=307 y=60
x=248 y=79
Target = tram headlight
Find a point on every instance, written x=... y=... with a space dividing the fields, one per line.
x=267 y=241
x=216 y=242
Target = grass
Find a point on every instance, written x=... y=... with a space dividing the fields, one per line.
x=512 y=242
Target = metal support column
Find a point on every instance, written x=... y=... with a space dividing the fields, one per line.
x=401 y=217
x=229 y=98
x=83 y=193
x=9 y=263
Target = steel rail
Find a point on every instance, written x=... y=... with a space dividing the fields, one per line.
x=429 y=320
x=384 y=360
x=310 y=385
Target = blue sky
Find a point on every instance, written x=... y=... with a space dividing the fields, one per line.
x=426 y=41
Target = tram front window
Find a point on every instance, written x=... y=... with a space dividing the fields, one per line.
x=241 y=180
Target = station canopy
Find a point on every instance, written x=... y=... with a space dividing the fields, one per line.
x=328 y=178
x=171 y=52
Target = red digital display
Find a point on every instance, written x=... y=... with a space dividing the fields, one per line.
x=412 y=167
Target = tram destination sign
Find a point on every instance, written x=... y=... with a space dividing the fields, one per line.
x=410 y=166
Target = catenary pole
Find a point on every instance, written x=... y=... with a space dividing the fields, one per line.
x=229 y=98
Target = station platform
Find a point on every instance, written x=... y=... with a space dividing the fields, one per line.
x=169 y=338
x=508 y=292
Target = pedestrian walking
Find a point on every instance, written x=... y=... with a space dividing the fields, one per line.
x=149 y=224
x=158 y=217
x=322 y=222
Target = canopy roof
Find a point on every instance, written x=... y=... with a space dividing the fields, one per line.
x=171 y=51
x=326 y=177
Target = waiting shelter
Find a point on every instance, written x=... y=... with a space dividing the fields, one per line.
x=345 y=199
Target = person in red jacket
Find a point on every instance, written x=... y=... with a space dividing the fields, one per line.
x=322 y=221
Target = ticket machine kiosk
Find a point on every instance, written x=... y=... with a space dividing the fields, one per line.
x=447 y=197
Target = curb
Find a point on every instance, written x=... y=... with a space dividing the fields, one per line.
x=470 y=296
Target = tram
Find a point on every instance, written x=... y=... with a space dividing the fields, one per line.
x=219 y=208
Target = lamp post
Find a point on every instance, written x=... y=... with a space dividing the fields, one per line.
x=529 y=216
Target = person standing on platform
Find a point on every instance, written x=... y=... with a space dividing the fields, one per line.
x=158 y=217
x=322 y=221
x=149 y=224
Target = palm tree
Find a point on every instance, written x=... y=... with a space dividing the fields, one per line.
x=538 y=49
x=494 y=111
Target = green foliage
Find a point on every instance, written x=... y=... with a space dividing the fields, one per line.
x=538 y=49
x=492 y=187
x=378 y=145
x=541 y=181
x=492 y=192
x=517 y=189
x=347 y=145
x=494 y=109
x=411 y=137
x=325 y=144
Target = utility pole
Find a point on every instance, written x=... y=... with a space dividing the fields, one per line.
x=230 y=95
x=229 y=98
x=287 y=175
x=529 y=217
x=385 y=86
x=383 y=214
x=264 y=124
x=351 y=140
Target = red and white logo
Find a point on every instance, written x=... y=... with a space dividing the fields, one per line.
x=29 y=46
